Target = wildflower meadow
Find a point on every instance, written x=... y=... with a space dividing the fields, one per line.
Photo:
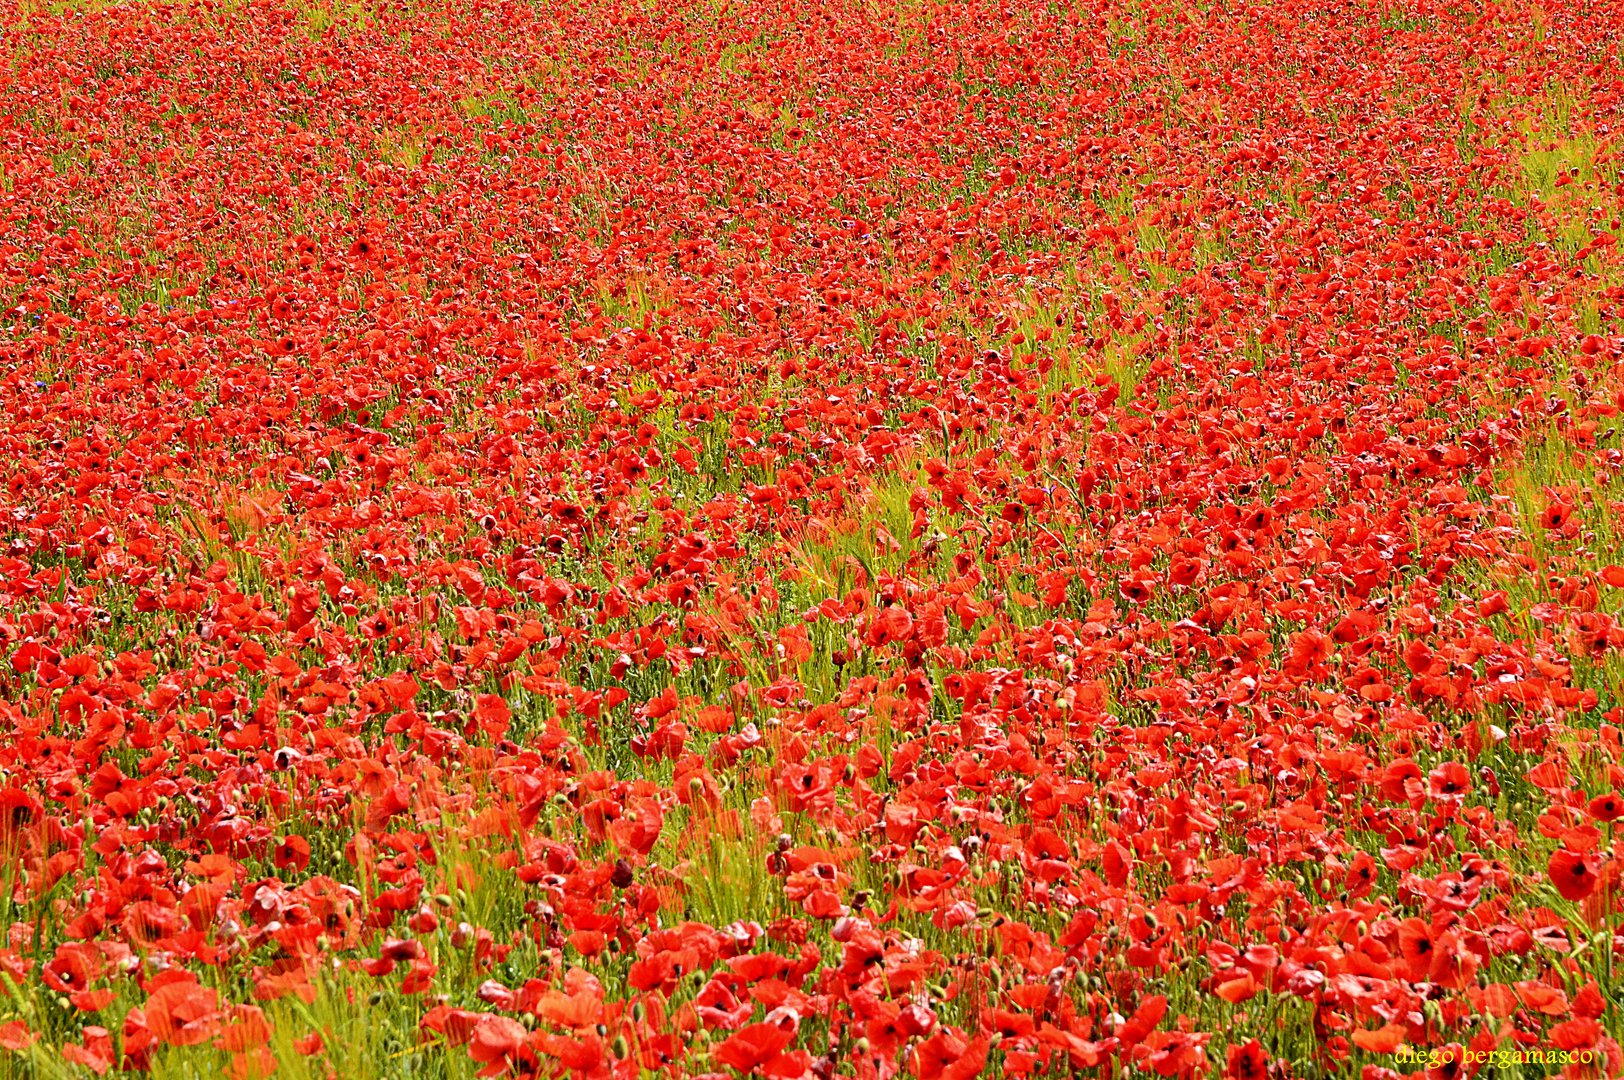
x=756 y=538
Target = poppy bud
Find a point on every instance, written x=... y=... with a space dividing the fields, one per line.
x=621 y=1047
x=861 y=1046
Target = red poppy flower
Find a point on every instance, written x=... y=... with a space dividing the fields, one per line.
x=1609 y=807
x=72 y=969
x=182 y=1013
x=16 y=1036
x=1184 y=571
x=752 y=1047
x=1573 y=873
x=496 y=1039
x=1416 y=947
x=291 y=853
x=1449 y=781
x=1247 y=1061
x=949 y=1055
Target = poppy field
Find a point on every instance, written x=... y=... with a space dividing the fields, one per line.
x=876 y=538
